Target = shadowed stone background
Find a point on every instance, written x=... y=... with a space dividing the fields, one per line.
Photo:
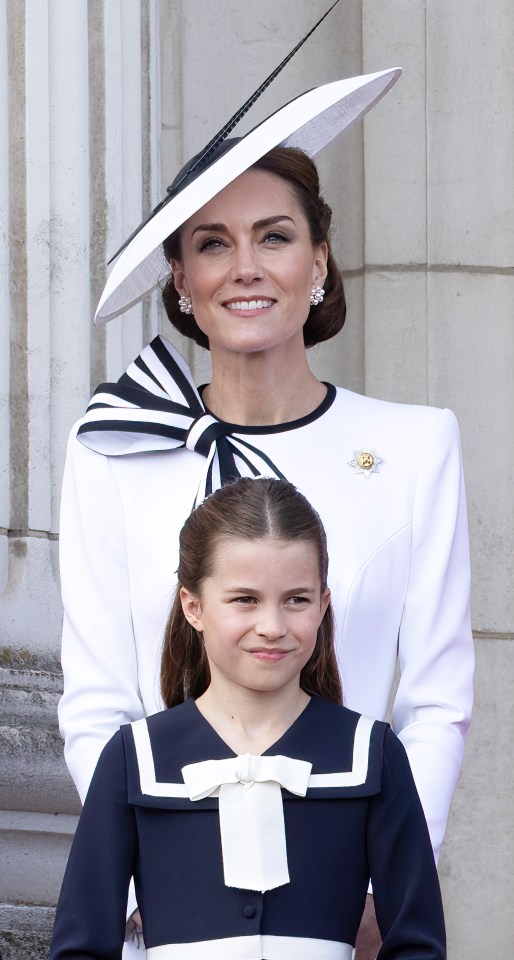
x=100 y=102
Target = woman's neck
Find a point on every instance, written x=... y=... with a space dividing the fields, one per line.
x=265 y=388
x=250 y=721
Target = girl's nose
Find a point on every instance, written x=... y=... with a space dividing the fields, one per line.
x=271 y=623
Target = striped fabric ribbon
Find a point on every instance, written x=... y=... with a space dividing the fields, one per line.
x=156 y=406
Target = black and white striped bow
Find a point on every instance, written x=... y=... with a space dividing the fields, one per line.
x=156 y=406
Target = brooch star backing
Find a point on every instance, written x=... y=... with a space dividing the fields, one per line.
x=365 y=462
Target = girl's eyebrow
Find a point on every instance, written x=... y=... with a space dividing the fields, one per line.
x=255 y=590
x=222 y=228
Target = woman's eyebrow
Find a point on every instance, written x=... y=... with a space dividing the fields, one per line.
x=269 y=221
x=210 y=227
x=222 y=228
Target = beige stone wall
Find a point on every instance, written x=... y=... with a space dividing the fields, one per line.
x=93 y=95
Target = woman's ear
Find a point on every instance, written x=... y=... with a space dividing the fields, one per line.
x=191 y=608
x=179 y=279
x=319 y=270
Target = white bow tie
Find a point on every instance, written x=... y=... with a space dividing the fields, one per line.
x=253 y=838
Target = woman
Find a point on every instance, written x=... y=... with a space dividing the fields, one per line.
x=250 y=261
x=253 y=812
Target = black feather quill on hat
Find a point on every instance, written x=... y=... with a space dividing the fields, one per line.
x=212 y=151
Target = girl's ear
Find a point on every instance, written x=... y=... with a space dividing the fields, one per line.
x=191 y=608
x=325 y=600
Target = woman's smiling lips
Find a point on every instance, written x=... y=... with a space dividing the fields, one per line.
x=245 y=306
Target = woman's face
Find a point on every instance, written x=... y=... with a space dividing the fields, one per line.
x=259 y=613
x=248 y=264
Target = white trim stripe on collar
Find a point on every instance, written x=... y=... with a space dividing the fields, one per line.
x=348 y=778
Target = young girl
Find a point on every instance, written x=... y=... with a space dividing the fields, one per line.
x=253 y=813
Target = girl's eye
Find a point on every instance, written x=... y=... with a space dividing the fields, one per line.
x=245 y=600
x=298 y=601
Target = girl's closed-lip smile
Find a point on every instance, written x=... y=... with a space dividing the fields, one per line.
x=269 y=655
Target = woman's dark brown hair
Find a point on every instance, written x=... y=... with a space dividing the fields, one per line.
x=323 y=321
x=250 y=510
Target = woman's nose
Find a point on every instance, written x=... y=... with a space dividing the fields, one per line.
x=246 y=266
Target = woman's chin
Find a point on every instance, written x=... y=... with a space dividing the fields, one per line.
x=247 y=341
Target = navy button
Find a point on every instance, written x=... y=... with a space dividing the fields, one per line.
x=249 y=911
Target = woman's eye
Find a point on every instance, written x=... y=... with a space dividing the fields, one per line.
x=211 y=244
x=276 y=237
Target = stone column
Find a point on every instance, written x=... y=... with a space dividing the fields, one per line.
x=79 y=162
x=439 y=295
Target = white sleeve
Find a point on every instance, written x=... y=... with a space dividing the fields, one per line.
x=432 y=707
x=98 y=648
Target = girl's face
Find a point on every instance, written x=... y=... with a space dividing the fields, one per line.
x=259 y=613
x=248 y=264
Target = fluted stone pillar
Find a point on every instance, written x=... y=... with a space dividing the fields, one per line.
x=439 y=307
x=79 y=162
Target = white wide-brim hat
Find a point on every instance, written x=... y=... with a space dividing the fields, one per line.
x=310 y=122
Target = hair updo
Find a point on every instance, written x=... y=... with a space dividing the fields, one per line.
x=323 y=321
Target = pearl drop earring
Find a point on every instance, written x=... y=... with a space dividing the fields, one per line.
x=185 y=305
x=317 y=294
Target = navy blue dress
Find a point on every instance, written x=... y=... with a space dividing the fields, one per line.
x=369 y=825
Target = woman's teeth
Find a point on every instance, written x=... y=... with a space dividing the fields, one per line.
x=249 y=304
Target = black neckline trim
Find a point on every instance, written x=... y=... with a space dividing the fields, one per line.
x=325 y=405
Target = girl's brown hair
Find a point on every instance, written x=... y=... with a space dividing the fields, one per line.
x=299 y=171
x=251 y=510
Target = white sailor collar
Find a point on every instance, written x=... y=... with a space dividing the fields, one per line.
x=343 y=747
